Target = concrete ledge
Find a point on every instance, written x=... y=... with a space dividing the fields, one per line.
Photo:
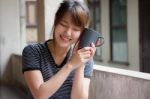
x=130 y=73
x=114 y=83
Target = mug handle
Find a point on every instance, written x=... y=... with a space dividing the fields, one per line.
x=99 y=41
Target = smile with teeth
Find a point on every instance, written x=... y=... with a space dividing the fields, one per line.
x=65 y=38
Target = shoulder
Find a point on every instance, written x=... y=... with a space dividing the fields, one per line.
x=33 y=46
x=88 y=69
x=36 y=47
x=31 y=57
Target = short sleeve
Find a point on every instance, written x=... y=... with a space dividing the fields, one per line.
x=88 y=71
x=30 y=58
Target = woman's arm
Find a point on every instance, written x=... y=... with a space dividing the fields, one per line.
x=80 y=86
x=41 y=89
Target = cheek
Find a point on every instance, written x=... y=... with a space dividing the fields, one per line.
x=76 y=35
x=57 y=30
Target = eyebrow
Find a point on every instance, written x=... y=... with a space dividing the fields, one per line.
x=63 y=20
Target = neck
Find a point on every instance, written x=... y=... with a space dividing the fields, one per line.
x=57 y=51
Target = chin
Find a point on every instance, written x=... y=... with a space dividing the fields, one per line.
x=64 y=45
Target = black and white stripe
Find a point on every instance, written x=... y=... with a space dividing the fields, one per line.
x=38 y=57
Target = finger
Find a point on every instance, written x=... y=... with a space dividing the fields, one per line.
x=85 y=49
x=86 y=52
x=84 y=60
x=93 y=50
x=84 y=56
x=92 y=45
x=88 y=55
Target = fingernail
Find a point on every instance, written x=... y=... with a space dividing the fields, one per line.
x=92 y=44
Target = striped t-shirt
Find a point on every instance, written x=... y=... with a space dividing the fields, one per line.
x=39 y=57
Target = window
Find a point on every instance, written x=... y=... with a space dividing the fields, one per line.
x=31 y=21
x=94 y=6
x=118 y=30
x=31 y=14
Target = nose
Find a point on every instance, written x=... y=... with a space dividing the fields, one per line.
x=68 y=32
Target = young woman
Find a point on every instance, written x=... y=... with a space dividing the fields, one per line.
x=57 y=69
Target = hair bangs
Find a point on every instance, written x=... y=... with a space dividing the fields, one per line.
x=79 y=17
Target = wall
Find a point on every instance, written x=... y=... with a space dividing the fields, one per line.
x=133 y=34
x=10 y=35
x=113 y=83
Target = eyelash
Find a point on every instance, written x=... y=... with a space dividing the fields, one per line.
x=64 y=25
x=76 y=29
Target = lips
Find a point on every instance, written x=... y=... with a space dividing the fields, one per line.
x=65 y=38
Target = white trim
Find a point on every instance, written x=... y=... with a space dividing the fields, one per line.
x=119 y=71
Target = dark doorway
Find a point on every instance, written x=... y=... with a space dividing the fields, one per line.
x=144 y=26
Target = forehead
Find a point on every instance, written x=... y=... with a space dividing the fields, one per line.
x=68 y=17
x=71 y=19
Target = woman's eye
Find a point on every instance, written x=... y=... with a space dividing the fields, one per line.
x=76 y=29
x=64 y=25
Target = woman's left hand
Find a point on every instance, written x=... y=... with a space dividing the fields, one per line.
x=86 y=53
x=93 y=50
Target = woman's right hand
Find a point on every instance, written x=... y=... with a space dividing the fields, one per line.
x=81 y=56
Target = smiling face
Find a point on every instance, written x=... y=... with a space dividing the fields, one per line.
x=66 y=32
x=70 y=19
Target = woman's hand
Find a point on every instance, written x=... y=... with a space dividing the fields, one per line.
x=81 y=56
x=93 y=50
